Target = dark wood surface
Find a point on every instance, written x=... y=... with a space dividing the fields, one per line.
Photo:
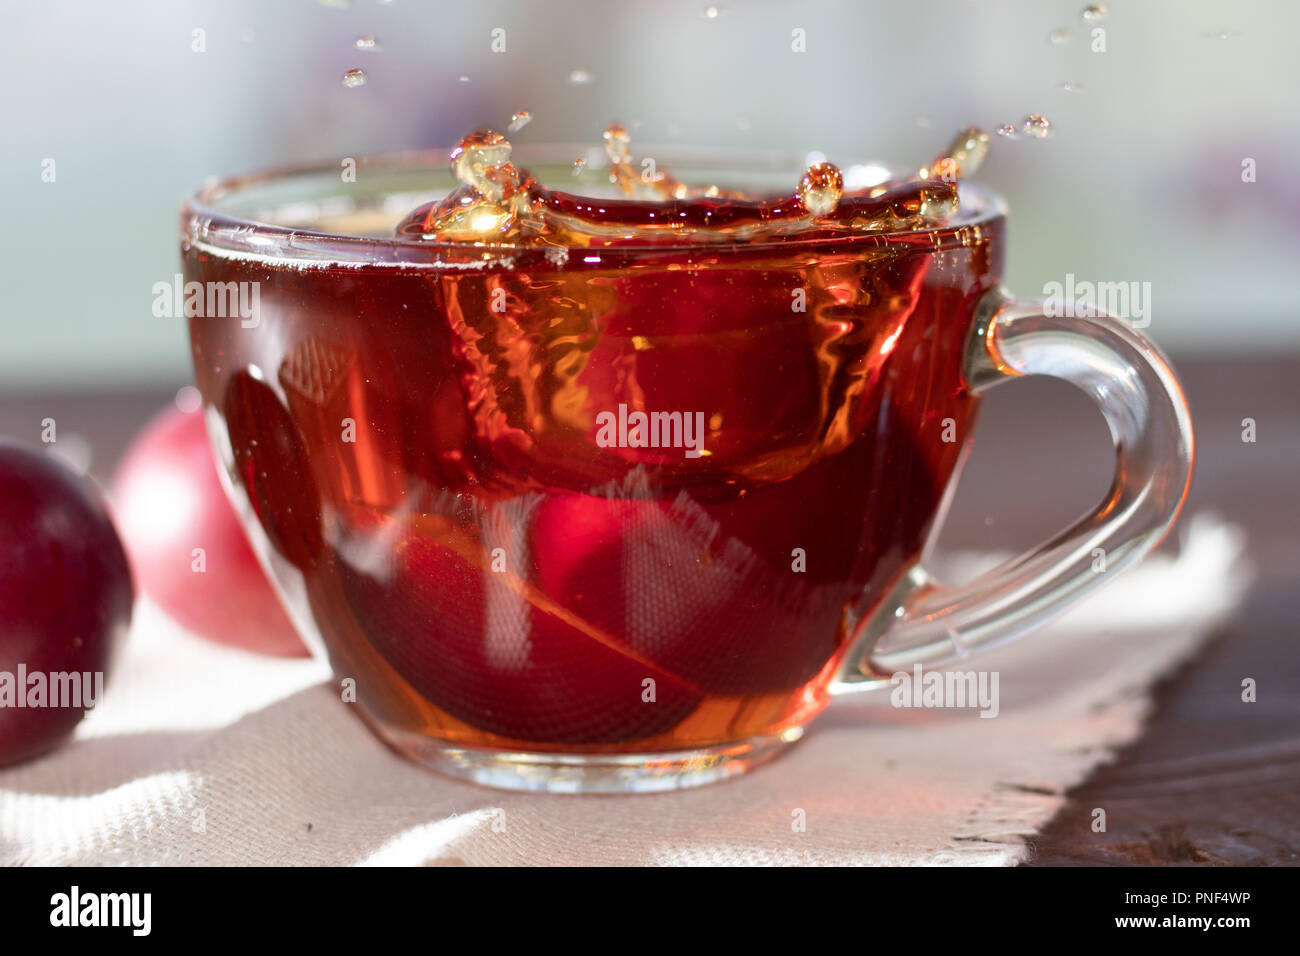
x=1211 y=781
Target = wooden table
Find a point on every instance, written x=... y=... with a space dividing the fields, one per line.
x=1212 y=780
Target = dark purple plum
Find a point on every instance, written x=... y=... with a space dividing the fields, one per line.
x=65 y=599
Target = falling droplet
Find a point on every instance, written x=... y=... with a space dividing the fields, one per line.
x=1036 y=125
x=579 y=165
x=1007 y=130
x=1070 y=86
x=579 y=77
x=366 y=42
x=462 y=78
x=711 y=13
x=1059 y=36
x=744 y=124
x=820 y=188
x=1095 y=11
x=354 y=78
x=519 y=120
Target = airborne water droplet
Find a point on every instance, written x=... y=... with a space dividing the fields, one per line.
x=366 y=42
x=1095 y=11
x=820 y=188
x=1070 y=86
x=711 y=13
x=1059 y=36
x=579 y=77
x=1007 y=130
x=519 y=120
x=1036 y=125
x=354 y=78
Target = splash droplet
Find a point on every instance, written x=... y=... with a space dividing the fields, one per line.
x=579 y=165
x=579 y=77
x=462 y=78
x=1059 y=36
x=1036 y=125
x=711 y=13
x=1007 y=130
x=518 y=120
x=354 y=78
x=490 y=205
x=618 y=143
x=963 y=156
x=1095 y=11
x=479 y=159
x=820 y=188
x=937 y=205
x=366 y=42
x=1070 y=86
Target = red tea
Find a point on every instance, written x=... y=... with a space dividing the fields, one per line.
x=613 y=473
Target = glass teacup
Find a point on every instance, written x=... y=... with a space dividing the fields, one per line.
x=626 y=519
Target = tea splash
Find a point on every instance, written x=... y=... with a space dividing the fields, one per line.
x=496 y=202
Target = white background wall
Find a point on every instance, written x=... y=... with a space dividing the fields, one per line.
x=1140 y=181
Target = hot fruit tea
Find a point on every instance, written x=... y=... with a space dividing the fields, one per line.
x=610 y=472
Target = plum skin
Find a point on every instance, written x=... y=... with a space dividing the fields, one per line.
x=233 y=601
x=66 y=592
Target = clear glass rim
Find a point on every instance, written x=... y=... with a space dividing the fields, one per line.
x=204 y=224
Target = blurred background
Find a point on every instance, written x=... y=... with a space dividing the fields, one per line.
x=1140 y=180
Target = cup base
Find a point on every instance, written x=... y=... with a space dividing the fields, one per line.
x=590 y=773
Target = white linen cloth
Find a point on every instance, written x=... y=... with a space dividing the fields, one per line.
x=205 y=755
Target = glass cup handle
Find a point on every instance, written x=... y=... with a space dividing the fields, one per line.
x=1132 y=384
